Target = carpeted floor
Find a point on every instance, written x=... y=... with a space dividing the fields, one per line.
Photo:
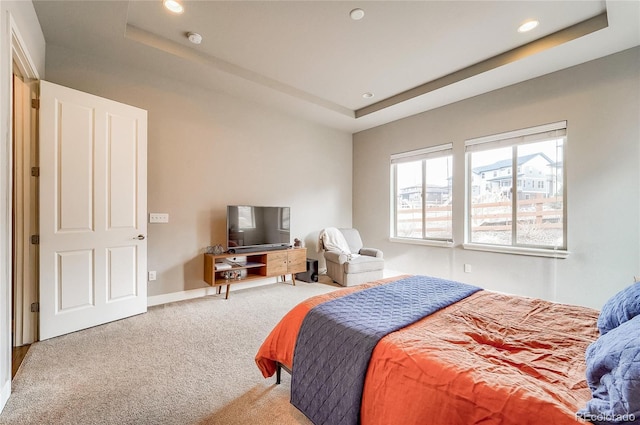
x=190 y=362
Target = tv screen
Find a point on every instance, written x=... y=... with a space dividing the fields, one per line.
x=253 y=227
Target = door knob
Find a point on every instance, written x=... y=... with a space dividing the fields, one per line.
x=139 y=237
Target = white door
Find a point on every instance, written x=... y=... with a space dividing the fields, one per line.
x=93 y=208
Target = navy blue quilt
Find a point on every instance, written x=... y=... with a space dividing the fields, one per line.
x=336 y=340
x=613 y=375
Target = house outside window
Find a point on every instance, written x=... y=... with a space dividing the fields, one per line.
x=422 y=195
x=533 y=216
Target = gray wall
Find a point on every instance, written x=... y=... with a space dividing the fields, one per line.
x=601 y=102
x=207 y=150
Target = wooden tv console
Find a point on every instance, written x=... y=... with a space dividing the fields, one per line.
x=257 y=265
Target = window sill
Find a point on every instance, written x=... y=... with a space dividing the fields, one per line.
x=536 y=252
x=426 y=242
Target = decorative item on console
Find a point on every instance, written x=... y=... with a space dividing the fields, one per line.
x=215 y=249
x=297 y=243
x=231 y=275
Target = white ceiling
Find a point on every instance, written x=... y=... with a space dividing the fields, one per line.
x=310 y=59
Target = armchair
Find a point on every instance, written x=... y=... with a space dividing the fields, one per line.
x=348 y=262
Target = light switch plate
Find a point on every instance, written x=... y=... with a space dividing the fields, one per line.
x=158 y=218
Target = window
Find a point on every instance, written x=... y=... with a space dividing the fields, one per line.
x=284 y=218
x=534 y=215
x=422 y=195
x=246 y=218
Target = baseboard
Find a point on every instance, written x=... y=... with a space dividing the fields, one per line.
x=4 y=395
x=203 y=292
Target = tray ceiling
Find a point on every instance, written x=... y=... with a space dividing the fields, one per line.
x=311 y=59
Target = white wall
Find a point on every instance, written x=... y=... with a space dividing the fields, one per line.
x=601 y=102
x=207 y=150
x=22 y=18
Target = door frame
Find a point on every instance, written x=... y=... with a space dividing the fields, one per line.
x=21 y=57
x=17 y=51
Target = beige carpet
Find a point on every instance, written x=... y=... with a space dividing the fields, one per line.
x=190 y=362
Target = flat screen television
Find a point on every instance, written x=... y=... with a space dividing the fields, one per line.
x=255 y=228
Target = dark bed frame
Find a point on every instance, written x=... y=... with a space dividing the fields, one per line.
x=279 y=367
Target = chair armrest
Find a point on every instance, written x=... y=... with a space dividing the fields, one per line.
x=371 y=252
x=335 y=257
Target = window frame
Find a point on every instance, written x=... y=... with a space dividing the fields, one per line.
x=424 y=154
x=514 y=139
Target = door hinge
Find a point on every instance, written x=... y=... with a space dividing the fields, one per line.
x=35 y=239
x=35 y=307
x=35 y=171
x=35 y=103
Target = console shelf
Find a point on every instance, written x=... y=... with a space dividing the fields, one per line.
x=253 y=265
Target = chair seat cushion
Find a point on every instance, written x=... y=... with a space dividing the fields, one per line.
x=363 y=263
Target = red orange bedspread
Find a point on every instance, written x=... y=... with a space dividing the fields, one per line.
x=488 y=359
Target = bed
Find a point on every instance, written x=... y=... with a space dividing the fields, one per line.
x=486 y=358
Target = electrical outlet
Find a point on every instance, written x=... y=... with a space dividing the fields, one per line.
x=467 y=268
x=158 y=218
x=152 y=275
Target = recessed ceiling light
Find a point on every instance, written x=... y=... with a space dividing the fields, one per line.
x=173 y=6
x=356 y=14
x=367 y=95
x=528 y=26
